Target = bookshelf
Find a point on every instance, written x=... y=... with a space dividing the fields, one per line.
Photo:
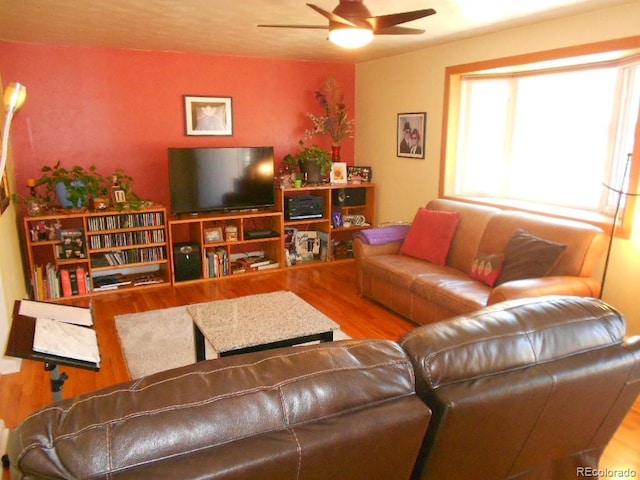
x=217 y=243
x=71 y=254
x=355 y=204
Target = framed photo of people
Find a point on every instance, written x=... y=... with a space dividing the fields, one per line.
x=411 y=132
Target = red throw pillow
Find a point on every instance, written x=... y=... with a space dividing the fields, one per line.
x=430 y=235
x=487 y=268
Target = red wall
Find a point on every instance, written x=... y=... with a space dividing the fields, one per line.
x=123 y=108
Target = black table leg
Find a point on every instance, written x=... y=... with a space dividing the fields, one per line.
x=199 y=339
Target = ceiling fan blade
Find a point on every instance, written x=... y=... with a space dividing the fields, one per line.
x=332 y=16
x=399 y=31
x=385 y=21
x=319 y=27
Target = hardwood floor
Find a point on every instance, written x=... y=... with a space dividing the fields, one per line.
x=331 y=288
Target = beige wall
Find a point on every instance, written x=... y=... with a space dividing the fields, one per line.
x=11 y=277
x=414 y=82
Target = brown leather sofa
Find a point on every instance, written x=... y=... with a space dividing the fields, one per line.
x=425 y=292
x=527 y=389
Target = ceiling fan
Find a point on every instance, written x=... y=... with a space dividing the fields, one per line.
x=351 y=24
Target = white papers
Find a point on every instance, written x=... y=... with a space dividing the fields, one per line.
x=66 y=340
x=54 y=311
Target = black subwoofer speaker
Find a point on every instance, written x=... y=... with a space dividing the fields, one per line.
x=349 y=197
x=187 y=261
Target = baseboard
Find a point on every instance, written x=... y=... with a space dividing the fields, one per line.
x=9 y=365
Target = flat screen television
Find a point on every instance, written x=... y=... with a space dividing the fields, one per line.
x=220 y=178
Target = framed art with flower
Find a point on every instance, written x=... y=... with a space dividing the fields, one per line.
x=208 y=115
x=411 y=135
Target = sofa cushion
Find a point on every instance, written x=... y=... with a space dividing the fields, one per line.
x=487 y=268
x=528 y=256
x=429 y=237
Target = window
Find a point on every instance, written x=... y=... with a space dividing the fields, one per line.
x=541 y=135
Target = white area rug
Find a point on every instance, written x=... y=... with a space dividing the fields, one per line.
x=159 y=340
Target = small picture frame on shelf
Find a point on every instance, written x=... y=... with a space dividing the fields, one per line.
x=338 y=172
x=213 y=235
x=231 y=233
x=359 y=174
x=118 y=195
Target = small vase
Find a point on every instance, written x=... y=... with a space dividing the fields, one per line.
x=335 y=153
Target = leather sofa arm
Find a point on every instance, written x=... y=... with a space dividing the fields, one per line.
x=363 y=250
x=537 y=287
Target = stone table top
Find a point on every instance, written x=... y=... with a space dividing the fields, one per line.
x=258 y=319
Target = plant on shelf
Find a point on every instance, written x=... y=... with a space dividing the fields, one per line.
x=308 y=158
x=73 y=187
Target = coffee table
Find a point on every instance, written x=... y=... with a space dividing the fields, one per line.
x=258 y=322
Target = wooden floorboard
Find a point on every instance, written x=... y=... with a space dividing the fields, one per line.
x=331 y=288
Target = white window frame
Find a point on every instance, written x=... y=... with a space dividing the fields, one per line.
x=616 y=53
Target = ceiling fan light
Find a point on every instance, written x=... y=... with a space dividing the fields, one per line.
x=351 y=37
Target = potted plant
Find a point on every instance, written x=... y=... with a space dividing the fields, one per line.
x=312 y=160
x=73 y=187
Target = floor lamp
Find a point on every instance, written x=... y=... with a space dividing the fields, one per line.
x=14 y=97
x=620 y=193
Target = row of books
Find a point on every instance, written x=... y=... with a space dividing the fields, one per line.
x=125 y=220
x=125 y=257
x=221 y=264
x=124 y=239
x=50 y=282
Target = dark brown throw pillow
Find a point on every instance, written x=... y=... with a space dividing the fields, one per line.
x=528 y=256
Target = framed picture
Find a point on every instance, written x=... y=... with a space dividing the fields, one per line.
x=208 y=115
x=5 y=196
x=359 y=174
x=411 y=134
x=338 y=172
x=118 y=195
x=212 y=235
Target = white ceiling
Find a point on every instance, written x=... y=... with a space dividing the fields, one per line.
x=230 y=27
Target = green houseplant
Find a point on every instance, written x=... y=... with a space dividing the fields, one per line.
x=73 y=187
x=312 y=160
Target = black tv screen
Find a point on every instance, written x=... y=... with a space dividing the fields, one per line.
x=220 y=178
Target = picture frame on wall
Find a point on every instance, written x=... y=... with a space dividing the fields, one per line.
x=208 y=115
x=411 y=135
x=5 y=196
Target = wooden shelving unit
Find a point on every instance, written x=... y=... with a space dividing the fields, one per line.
x=212 y=249
x=70 y=254
x=335 y=241
x=199 y=243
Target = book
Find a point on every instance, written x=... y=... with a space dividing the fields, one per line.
x=253 y=261
x=147 y=280
x=110 y=281
x=65 y=280
x=58 y=312
x=268 y=266
x=66 y=340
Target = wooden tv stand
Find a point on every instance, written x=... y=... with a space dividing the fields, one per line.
x=201 y=250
